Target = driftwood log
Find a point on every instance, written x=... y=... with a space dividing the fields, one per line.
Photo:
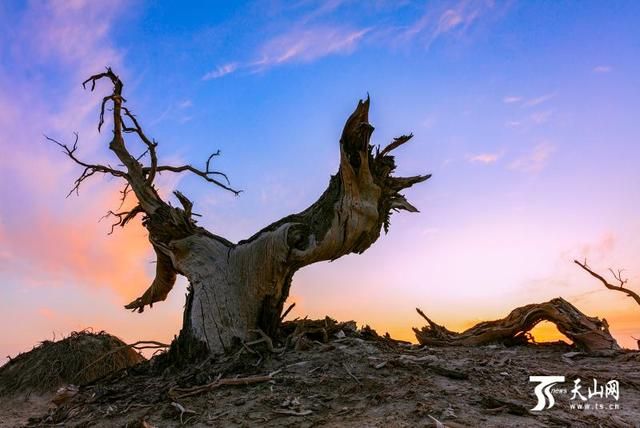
x=236 y=289
x=587 y=333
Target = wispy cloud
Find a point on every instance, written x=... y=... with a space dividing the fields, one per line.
x=175 y=112
x=535 y=160
x=602 y=69
x=324 y=8
x=599 y=248
x=67 y=32
x=317 y=34
x=484 y=158
x=510 y=99
x=221 y=71
x=437 y=21
x=308 y=44
x=540 y=117
x=301 y=44
x=539 y=100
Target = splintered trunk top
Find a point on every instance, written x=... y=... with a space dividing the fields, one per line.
x=237 y=288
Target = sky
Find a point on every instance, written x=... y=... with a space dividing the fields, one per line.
x=524 y=112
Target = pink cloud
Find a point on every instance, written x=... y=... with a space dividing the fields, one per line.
x=599 y=248
x=511 y=99
x=45 y=238
x=70 y=33
x=535 y=160
x=455 y=19
x=47 y=313
x=484 y=158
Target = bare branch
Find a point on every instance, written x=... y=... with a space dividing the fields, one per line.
x=123 y=217
x=187 y=205
x=151 y=145
x=148 y=197
x=397 y=142
x=617 y=276
x=285 y=313
x=89 y=169
x=124 y=192
x=206 y=174
x=140 y=177
x=154 y=168
x=93 y=79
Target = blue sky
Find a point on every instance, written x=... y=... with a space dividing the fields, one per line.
x=523 y=112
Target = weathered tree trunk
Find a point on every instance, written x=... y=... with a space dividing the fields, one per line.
x=235 y=288
x=588 y=333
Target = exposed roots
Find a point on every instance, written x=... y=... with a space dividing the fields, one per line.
x=80 y=358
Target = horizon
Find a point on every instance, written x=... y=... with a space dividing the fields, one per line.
x=523 y=113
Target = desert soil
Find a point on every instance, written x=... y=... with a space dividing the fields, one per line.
x=352 y=381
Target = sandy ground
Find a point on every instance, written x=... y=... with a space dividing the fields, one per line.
x=16 y=411
x=354 y=382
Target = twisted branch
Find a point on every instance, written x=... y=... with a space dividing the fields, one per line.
x=123 y=217
x=617 y=276
x=163 y=221
x=139 y=178
x=206 y=174
x=89 y=169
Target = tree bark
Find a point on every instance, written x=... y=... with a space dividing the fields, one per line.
x=587 y=333
x=242 y=287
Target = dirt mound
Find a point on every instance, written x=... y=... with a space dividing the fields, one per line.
x=80 y=358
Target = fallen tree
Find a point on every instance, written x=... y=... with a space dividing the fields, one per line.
x=587 y=333
x=235 y=289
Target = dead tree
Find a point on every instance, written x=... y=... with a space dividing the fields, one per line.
x=618 y=277
x=235 y=288
x=588 y=333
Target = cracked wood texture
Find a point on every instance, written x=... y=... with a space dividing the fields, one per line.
x=241 y=287
x=236 y=288
x=587 y=333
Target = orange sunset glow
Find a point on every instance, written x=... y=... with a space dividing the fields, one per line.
x=531 y=137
